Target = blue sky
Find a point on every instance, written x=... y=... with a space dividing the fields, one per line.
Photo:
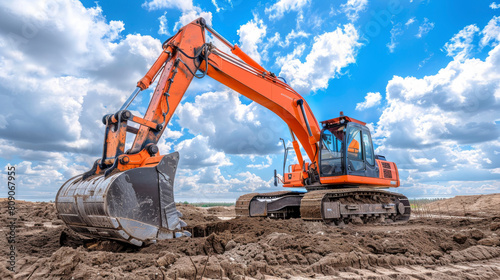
x=423 y=74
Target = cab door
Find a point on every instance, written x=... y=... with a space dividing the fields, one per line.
x=360 y=156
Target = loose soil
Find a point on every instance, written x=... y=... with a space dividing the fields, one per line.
x=450 y=247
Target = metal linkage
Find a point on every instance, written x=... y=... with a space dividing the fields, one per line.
x=130 y=99
x=300 y=102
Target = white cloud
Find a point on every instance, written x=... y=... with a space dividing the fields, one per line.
x=278 y=9
x=275 y=39
x=32 y=176
x=330 y=52
x=299 y=20
x=190 y=15
x=3 y=122
x=172 y=134
x=250 y=182
x=295 y=54
x=263 y=165
x=494 y=6
x=189 y=11
x=63 y=98
x=395 y=31
x=251 y=35
x=452 y=188
x=217 y=8
x=41 y=180
x=166 y=142
x=183 y=5
x=443 y=127
x=424 y=28
x=460 y=46
x=425 y=60
x=230 y=125
x=210 y=184
x=424 y=161
x=213 y=181
x=491 y=32
x=196 y=153
x=293 y=35
x=163 y=29
x=55 y=34
x=371 y=99
x=316 y=22
x=410 y=22
x=59 y=75
x=352 y=8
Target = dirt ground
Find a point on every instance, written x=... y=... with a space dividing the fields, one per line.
x=437 y=247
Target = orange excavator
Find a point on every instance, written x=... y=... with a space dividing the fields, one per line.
x=128 y=194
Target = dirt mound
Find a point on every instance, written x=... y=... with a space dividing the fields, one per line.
x=468 y=205
x=194 y=215
x=201 y=215
x=256 y=248
x=222 y=211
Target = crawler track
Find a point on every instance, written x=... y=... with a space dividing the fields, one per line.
x=345 y=205
x=281 y=204
x=337 y=206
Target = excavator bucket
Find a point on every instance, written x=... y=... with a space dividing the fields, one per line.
x=135 y=206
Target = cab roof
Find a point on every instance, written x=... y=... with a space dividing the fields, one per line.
x=338 y=121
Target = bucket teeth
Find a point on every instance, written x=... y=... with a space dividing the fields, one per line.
x=179 y=234
x=135 y=206
x=183 y=224
x=173 y=220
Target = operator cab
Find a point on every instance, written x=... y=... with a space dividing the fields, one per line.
x=346 y=148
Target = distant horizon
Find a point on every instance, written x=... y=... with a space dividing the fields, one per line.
x=228 y=201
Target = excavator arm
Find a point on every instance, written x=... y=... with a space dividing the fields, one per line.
x=185 y=54
x=128 y=195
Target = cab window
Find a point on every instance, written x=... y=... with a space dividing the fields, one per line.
x=367 y=142
x=354 y=147
x=332 y=144
x=331 y=151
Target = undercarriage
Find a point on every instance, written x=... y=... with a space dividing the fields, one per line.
x=335 y=206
